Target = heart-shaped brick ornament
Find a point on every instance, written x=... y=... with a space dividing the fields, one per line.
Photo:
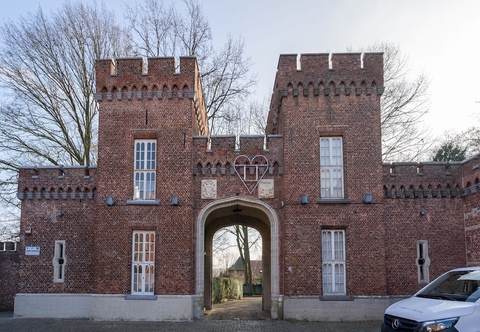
x=251 y=171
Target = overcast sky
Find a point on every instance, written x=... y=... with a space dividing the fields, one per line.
x=441 y=38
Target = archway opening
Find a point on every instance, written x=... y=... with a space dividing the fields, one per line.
x=237 y=283
x=253 y=213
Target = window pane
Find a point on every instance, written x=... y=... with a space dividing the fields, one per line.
x=336 y=151
x=326 y=246
x=137 y=155
x=153 y=155
x=337 y=183
x=327 y=278
x=325 y=183
x=338 y=245
x=339 y=278
x=325 y=152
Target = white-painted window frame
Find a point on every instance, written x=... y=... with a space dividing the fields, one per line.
x=331 y=168
x=145 y=163
x=59 y=261
x=143 y=262
x=423 y=262
x=333 y=262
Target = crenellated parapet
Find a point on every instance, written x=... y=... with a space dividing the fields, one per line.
x=152 y=80
x=424 y=180
x=471 y=171
x=137 y=78
x=349 y=75
x=52 y=183
x=324 y=74
x=218 y=156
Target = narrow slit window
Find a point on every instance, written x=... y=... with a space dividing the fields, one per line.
x=59 y=261
x=423 y=262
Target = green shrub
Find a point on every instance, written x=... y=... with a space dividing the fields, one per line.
x=225 y=289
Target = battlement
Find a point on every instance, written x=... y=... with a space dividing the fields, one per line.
x=315 y=62
x=218 y=155
x=56 y=182
x=350 y=74
x=324 y=78
x=138 y=78
x=426 y=180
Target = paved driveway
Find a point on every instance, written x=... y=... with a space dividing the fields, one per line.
x=10 y=324
x=83 y=325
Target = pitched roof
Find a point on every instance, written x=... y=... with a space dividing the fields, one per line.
x=238 y=266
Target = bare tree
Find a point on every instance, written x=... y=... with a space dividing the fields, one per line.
x=404 y=105
x=245 y=239
x=244 y=245
x=226 y=79
x=223 y=240
x=47 y=73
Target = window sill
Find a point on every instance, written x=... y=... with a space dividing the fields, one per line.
x=336 y=298
x=142 y=202
x=334 y=201
x=140 y=297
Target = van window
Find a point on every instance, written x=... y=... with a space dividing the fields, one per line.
x=455 y=286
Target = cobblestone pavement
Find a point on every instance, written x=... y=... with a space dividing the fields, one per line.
x=10 y=324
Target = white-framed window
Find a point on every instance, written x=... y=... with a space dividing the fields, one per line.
x=333 y=262
x=145 y=169
x=331 y=167
x=143 y=262
x=59 y=261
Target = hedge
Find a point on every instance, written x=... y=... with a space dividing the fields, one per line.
x=225 y=289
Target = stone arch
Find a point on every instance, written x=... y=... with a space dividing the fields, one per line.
x=266 y=218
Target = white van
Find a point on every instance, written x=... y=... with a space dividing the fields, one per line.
x=450 y=303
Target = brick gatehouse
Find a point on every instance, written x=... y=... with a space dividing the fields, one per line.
x=343 y=234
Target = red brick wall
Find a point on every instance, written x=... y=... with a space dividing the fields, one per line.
x=410 y=188
x=309 y=102
x=471 y=181
x=172 y=119
x=44 y=193
x=9 y=268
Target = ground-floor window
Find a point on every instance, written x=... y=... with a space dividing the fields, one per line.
x=59 y=261
x=333 y=262
x=143 y=262
x=423 y=262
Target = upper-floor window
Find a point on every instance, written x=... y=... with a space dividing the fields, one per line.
x=145 y=169
x=331 y=167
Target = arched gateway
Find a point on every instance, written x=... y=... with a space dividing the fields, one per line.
x=253 y=213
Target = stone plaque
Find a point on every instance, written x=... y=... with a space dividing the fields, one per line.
x=266 y=188
x=209 y=189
